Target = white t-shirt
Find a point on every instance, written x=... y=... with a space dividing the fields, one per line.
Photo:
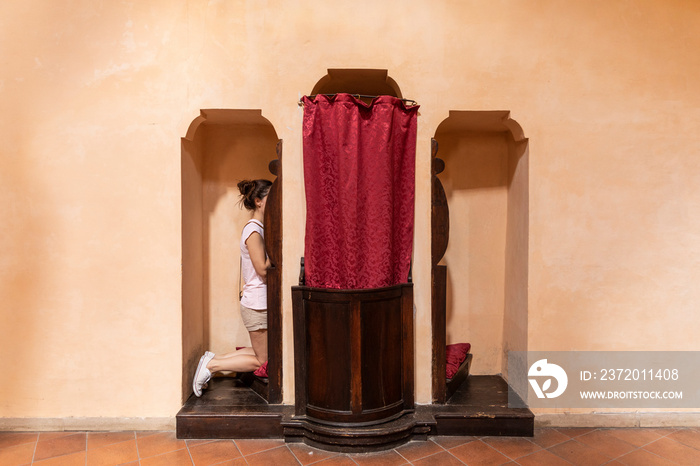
x=254 y=287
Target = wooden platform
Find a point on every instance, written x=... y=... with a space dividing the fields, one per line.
x=480 y=407
x=230 y=409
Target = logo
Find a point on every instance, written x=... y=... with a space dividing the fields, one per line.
x=542 y=369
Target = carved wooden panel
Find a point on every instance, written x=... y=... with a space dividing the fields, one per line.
x=273 y=245
x=440 y=213
x=440 y=229
x=353 y=353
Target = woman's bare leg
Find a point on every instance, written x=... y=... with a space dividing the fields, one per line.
x=236 y=363
x=246 y=350
x=258 y=339
x=245 y=359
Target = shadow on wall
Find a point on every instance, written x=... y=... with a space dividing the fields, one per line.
x=28 y=241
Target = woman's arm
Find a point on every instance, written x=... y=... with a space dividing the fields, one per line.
x=256 y=250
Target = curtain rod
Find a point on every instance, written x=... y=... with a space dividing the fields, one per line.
x=359 y=96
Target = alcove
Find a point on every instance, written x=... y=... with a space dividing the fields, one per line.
x=221 y=148
x=484 y=155
x=481 y=157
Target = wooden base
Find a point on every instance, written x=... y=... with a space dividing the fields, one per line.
x=257 y=384
x=358 y=439
x=480 y=407
x=230 y=409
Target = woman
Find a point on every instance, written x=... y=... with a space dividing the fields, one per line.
x=254 y=265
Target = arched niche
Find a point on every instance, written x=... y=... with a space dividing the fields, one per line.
x=221 y=148
x=363 y=82
x=480 y=170
x=357 y=81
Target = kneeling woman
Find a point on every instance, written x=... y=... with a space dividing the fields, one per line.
x=254 y=265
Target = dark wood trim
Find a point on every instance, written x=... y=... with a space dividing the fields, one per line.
x=440 y=233
x=356 y=358
x=299 y=322
x=408 y=339
x=273 y=245
x=259 y=385
x=458 y=379
x=439 y=291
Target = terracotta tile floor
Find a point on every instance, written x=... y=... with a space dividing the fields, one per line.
x=548 y=447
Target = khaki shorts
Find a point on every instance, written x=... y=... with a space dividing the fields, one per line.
x=254 y=319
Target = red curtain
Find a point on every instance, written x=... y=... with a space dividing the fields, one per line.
x=359 y=169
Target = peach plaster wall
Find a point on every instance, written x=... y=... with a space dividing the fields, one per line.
x=98 y=95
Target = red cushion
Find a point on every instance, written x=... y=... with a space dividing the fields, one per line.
x=454 y=356
x=261 y=371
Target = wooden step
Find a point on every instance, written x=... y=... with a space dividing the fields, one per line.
x=358 y=439
x=231 y=409
x=480 y=407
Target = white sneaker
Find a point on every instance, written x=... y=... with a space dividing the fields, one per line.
x=202 y=375
x=210 y=355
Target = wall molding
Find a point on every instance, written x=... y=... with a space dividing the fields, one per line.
x=645 y=419
x=649 y=419
x=39 y=424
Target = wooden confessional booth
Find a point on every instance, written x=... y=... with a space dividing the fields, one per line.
x=353 y=343
x=354 y=354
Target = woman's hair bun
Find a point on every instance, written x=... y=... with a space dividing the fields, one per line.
x=246 y=187
x=251 y=190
